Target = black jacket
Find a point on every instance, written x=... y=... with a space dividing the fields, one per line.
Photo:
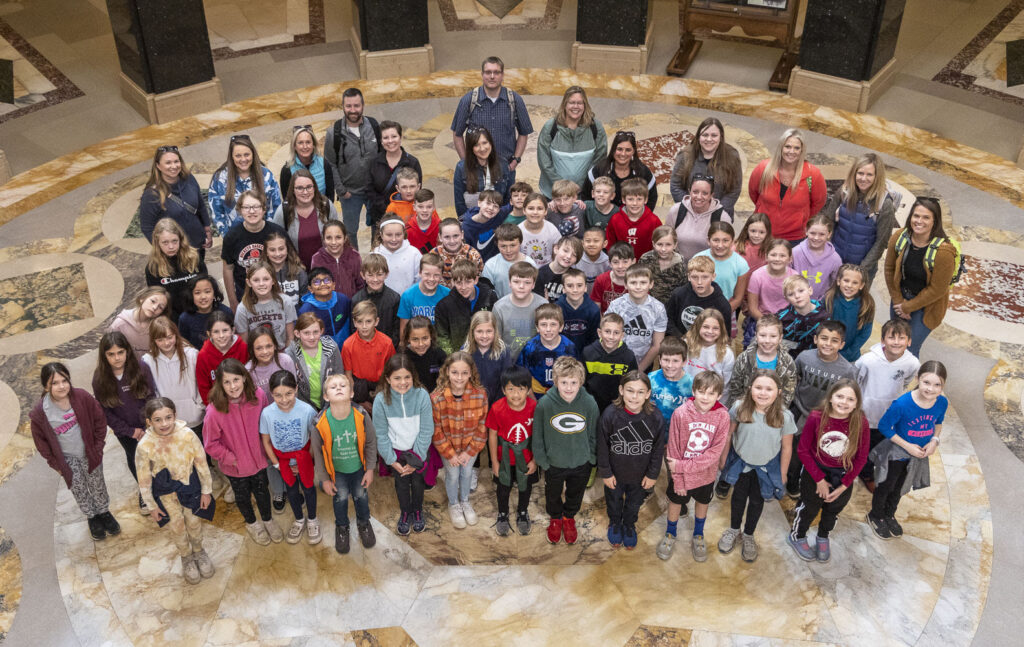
x=684 y=305
x=630 y=446
x=605 y=370
x=452 y=315
x=387 y=310
x=380 y=174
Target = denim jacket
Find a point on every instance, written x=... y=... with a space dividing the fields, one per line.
x=769 y=476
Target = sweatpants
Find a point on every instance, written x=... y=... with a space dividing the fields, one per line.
x=185 y=528
x=256 y=487
x=623 y=503
x=88 y=488
x=297 y=494
x=889 y=492
x=810 y=504
x=746 y=496
x=129 y=444
x=574 y=481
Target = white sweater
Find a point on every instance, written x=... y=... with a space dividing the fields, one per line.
x=882 y=381
x=403 y=266
x=181 y=389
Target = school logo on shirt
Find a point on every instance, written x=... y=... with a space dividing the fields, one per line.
x=250 y=254
x=833 y=443
x=689 y=315
x=631 y=236
x=569 y=423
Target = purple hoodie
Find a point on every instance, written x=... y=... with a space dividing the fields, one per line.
x=819 y=269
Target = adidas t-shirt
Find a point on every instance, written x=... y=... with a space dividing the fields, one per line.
x=642 y=321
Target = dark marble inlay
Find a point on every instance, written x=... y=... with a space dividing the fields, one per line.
x=44 y=299
x=315 y=36
x=500 y=8
x=650 y=636
x=1014 y=63
x=64 y=91
x=659 y=153
x=6 y=80
x=452 y=22
x=850 y=39
x=991 y=289
x=613 y=22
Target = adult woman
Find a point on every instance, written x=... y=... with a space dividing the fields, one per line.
x=622 y=163
x=480 y=170
x=243 y=171
x=865 y=215
x=709 y=155
x=172 y=192
x=787 y=188
x=698 y=210
x=919 y=264
x=306 y=155
x=571 y=142
x=304 y=214
x=384 y=168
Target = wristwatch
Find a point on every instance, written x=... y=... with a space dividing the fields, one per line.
x=518 y=160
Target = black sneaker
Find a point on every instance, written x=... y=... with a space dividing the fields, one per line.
x=502 y=526
x=278 y=503
x=109 y=523
x=722 y=489
x=879 y=526
x=793 y=487
x=895 y=529
x=341 y=539
x=366 y=535
x=417 y=521
x=523 y=523
x=96 y=529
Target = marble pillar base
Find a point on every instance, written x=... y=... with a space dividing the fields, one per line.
x=169 y=106
x=855 y=96
x=392 y=63
x=612 y=59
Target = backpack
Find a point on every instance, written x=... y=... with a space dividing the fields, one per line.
x=929 y=255
x=339 y=141
x=593 y=131
x=511 y=104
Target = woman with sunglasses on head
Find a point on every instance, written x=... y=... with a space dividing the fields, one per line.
x=692 y=217
x=570 y=142
x=623 y=162
x=384 y=169
x=788 y=189
x=305 y=155
x=709 y=155
x=172 y=192
x=479 y=171
x=304 y=214
x=243 y=171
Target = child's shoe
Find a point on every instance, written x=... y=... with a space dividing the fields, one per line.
x=793 y=488
x=190 y=570
x=417 y=521
x=554 y=531
x=629 y=537
x=109 y=523
x=229 y=494
x=895 y=529
x=569 y=530
x=666 y=546
x=258 y=532
x=96 y=529
x=143 y=508
x=278 y=503
x=274 y=531
x=474 y=481
x=824 y=550
x=749 y=551
x=699 y=549
x=502 y=526
x=203 y=563
x=728 y=540
x=722 y=489
x=313 y=535
x=879 y=526
x=295 y=532
x=469 y=513
x=615 y=534
x=802 y=548
x=366 y=536
x=403 y=524
x=523 y=523
x=341 y=539
x=456 y=515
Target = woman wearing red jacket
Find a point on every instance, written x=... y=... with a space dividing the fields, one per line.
x=788 y=189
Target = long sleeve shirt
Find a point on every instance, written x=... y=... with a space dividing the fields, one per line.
x=178 y=453
x=459 y=422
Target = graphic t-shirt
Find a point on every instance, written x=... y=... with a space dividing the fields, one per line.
x=415 y=303
x=273 y=313
x=540 y=245
x=513 y=426
x=288 y=430
x=344 y=450
x=550 y=282
x=910 y=422
x=642 y=321
x=668 y=395
x=243 y=248
x=65 y=425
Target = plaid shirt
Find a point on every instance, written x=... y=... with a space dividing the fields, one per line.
x=459 y=424
x=449 y=259
x=496 y=117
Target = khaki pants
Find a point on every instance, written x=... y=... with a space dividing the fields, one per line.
x=186 y=529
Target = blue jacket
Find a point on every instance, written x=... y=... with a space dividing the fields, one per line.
x=480 y=235
x=855 y=233
x=501 y=185
x=846 y=312
x=581 y=323
x=335 y=313
x=769 y=476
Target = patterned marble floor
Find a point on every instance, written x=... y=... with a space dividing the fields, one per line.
x=981 y=66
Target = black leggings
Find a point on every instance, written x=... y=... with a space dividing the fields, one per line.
x=809 y=506
x=297 y=494
x=255 y=486
x=129 y=444
x=889 y=492
x=746 y=495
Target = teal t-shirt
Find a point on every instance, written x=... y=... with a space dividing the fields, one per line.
x=344 y=447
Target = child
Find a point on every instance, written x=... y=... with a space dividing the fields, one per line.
x=540 y=352
x=802 y=317
x=288 y=269
x=365 y=354
x=480 y=224
x=176 y=484
x=403 y=259
x=404 y=426
x=610 y=285
x=344 y=451
x=424 y=230
x=754 y=241
x=539 y=235
x=764 y=290
x=670 y=385
x=285 y=427
x=707 y=344
x=262 y=305
x=338 y=256
x=484 y=345
x=607 y=360
x=407 y=183
x=419 y=344
x=761 y=438
x=267 y=358
x=517 y=200
x=565 y=212
x=730 y=268
x=333 y=309
x=634 y=223
x=668 y=269
x=231 y=434
x=697 y=295
x=581 y=315
x=454 y=249
x=509 y=244
x=315 y=354
x=515 y=310
x=594 y=261
x=460 y=406
x=421 y=299
x=374 y=271
x=644 y=316
x=122 y=384
x=173 y=366
x=509 y=429
x=630 y=447
x=453 y=312
x=134 y=322
x=172 y=264
x=815 y=258
x=766 y=352
x=206 y=297
x=601 y=209
x=849 y=300
x=912 y=426
x=833 y=449
x=549 y=277
x=221 y=343
x=565 y=446
x=697 y=438
x=69 y=429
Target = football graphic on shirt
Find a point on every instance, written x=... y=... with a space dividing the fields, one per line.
x=519 y=432
x=833 y=443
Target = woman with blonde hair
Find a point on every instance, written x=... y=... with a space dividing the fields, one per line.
x=788 y=188
x=172 y=192
x=305 y=155
x=172 y=264
x=570 y=142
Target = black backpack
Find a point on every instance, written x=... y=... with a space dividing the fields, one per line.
x=593 y=131
x=339 y=141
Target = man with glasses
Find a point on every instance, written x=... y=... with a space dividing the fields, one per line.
x=350 y=146
x=498 y=109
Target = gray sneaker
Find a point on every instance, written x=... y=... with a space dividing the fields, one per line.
x=699 y=548
x=802 y=548
x=190 y=570
x=665 y=547
x=502 y=526
x=258 y=532
x=273 y=531
x=203 y=563
x=749 y=552
x=728 y=540
x=523 y=523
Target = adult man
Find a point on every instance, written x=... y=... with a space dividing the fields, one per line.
x=351 y=146
x=498 y=109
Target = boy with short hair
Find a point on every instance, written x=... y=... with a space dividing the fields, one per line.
x=594 y=260
x=422 y=298
x=365 y=354
x=423 y=230
x=599 y=211
x=517 y=199
x=539 y=354
x=509 y=244
x=549 y=277
x=581 y=315
x=565 y=446
x=515 y=311
x=699 y=293
x=539 y=234
x=407 y=183
x=480 y=223
x=564 y=212
x=403 y=259
x=801 y=318
x=452 y=249
x=670 y=384
x=644 y=316
x=634 y=223
x=610 y=285
x=453 y=312
x=332 y=308
x=607 y=360
x=509 y=427
x=374 y=271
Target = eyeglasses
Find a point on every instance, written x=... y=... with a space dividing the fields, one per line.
x=251 y=208
x=167 y=149
x=699 y=176
x=304 y=189
x=472 y=130
x=316 y=283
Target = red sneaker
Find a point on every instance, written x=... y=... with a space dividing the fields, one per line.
x=569 y=530
x=555 y=531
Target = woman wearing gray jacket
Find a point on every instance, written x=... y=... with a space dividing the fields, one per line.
x=570 y=143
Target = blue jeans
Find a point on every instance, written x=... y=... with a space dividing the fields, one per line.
x=918 y=331
x=457 y=479
x=350 y=485
x=350 y=209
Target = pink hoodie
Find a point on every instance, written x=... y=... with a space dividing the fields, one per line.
x=233 y=438
x=695 y=443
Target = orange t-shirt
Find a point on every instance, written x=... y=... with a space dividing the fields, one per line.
x=366 y=359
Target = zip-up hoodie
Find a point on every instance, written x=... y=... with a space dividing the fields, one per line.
x=882 y=381
x=233 y=438
x=695 y=444
x=335 y=313
x=178 y=453
x=743 y=374
x=692 y=227
x=344 y=270
x=605 y=370
x=819 y=269
x=321 y=445
x=630 y=445
x=181 y=389
x=403 y=266
x=330 y=360
x=565 y=433
x=846 y=311
x=405 y=424
x=209 y=359
x=136 y=333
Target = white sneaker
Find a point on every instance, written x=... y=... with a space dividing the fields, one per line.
x=458 y=518
x=474 y=481
x=469 y=513
x=229 y=494
x=203 y=563
x=295 y=532
x=258 y=532
x=274 y=531
x=313 y=535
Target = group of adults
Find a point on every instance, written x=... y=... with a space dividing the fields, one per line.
x=360 y=158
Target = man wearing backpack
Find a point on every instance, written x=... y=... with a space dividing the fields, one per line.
x=498 y=109
x=351 y=145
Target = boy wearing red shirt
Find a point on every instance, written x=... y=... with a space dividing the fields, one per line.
x=365 y=354
x=509 y=427
x=423 y=228
x=635 y=222
x=611 y=285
